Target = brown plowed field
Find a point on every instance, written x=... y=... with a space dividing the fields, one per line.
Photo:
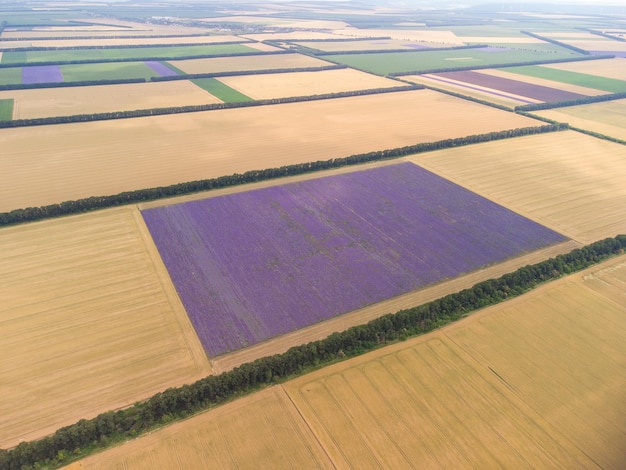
x=535 y=382
x=570 y=182
x=47 y=164
x=90 y=322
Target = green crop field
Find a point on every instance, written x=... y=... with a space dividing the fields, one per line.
x=422 y=61
x=11 y=76
x=221 y=91
x=573 y=78
x=107 y=71
x=6 y=110
x=18 y=57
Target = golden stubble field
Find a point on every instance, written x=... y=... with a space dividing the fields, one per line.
x=48 y=164
x=536 y=382
x=284 y=85
x=610 y=68
x=570 y=182
x=90 y=322
x=248 y=63
x=132 y=41
x=608 y=117
x=51 y=102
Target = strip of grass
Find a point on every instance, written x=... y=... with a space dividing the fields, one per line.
x=573 y=78
x=66 y=55
x=421 y=61
x=221 y=91
x=6 y=110
x=11 y=76
x=106 y=71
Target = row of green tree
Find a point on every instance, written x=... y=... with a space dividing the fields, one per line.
x=28 y=86
x=556 y=43
x=142 y=59
x=195 y=108
x=490 y=66
x=87 y=436
x=386 y=51
x=29 y=214
x=234 y=73
x=121 y=46
x=575 y=102
x=614 y=37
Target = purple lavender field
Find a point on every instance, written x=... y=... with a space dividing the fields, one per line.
x=257 y=264
x=41 y=74
x=161 y=69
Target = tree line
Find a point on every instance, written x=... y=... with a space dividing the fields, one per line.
x=490 y=66
x=387 y=51
x=88 y=435
x=140 y=59
x=121 y=46
x=235 y=73
x=574 y=102
x=29 y=214
x=195 y=108
x=556 y=43
x=28 y=86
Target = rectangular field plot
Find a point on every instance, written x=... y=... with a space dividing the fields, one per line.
x=608 y=68
x=254 y=265
x=365 y=45
x=284 y=85
x=533 y=383
x=568 y=181
x=383 y=63
x=590 y=80
x=263 y=430
x=90 y=322
x=49 y=102
x=608 y=118
x=121 y=53
x=248 y=63
x=47 y=164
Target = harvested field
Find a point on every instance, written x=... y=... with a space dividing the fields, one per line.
x=263 y=430
x=608 y=118
x=507 y=387
x=609 y=68
x=535 y=382
x=259 y=264
x=248 y=63
x=284 y=85
x=278 y=22
x=119 y=41
x=578 y=191
x=90 y=322
x=607 y=46
x=106 y=71
x=364 y=45
x=520 y=88
x=49 y=102
x=47 y=164
x=483 y=93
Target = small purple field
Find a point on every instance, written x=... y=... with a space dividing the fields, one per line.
x=41 y=74
x=161 y=69
x=536 y=92
x=258 y=264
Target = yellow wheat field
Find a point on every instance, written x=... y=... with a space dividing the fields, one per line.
x=263 y=430
x=570 y=182
x=284 y=85
x=610 y=68
x=248 y=63
x=46 y=164
x=536 y=382
x=51 y=102
x=608 y=117
x=90 y=322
